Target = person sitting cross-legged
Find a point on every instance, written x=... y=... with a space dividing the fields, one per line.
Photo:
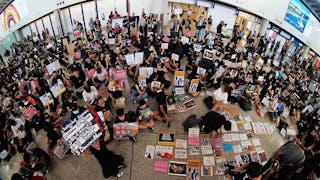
x=146 y=116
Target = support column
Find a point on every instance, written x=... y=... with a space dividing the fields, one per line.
x=264 y=26
x=56 y=16
x=18 y=35
x=96 y=6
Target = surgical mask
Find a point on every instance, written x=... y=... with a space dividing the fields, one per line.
x=75 y=112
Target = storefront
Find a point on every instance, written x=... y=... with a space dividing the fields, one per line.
x=185 y=9
x=249 y=24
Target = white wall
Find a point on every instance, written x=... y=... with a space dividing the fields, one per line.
x=149 y=6
x=224 y=13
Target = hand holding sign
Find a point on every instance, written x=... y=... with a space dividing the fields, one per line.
x=164 y=45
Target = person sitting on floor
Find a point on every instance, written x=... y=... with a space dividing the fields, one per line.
x=138 y=93
x=220 y=98
x=145 y=116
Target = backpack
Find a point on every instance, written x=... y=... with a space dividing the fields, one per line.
x=190 y=122
x=245 y=104
x=208 y=102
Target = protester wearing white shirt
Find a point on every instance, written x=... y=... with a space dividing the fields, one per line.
x=89 y=94
x=220 y=97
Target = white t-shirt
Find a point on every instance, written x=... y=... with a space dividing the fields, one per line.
x=91 y=96
x=220 y=96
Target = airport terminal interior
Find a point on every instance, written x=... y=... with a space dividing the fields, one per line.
x=159 y=89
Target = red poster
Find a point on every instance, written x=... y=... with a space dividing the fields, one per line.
x=317 y=64
x=29 y=112
x=76 y=34
x=90 y=73
x=77 y=55
x=120 y=74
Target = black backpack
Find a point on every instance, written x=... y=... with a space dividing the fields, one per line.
x=245 y=104
x=190 y=122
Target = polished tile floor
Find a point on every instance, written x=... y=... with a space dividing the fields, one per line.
x=138 y=167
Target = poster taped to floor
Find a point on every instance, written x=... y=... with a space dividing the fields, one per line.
x=166 y=138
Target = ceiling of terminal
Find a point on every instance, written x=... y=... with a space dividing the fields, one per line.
x=314 y=6
x=4 y=4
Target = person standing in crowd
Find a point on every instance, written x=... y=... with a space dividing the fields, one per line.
x=143 y=25
x=219 y=27
x=200 y=28
x=91 y=25
x=209 y=23
x=97 y=28
x=111 y=163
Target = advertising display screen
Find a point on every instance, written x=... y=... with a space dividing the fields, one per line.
x=14 y=13
x=297 y=15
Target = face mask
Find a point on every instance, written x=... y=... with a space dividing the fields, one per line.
x=75 y=112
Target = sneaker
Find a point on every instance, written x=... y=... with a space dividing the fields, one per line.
x=169 y=124
x=134 y=102
x=151 y=128
x=146 y=99
x=122 y=166
x=120 y=174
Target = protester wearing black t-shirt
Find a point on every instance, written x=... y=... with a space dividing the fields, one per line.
x=212 y=122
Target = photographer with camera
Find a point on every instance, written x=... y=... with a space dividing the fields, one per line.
x=249 y=170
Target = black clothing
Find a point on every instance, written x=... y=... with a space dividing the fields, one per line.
x=108 y=160
x=78 y=81
x=212 y=121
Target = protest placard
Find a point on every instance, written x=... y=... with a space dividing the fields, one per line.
x=194 y=85
x=184 y=40
x=179 y=78
x=142 y=81
x=145 y=71
x=197 y=47
x=46 y=99
x=130 y=59
x=175 y=57
x=208 y=54
x=54 y=66
x=58 y=89
x=125 y=129
x=138 y=57
x=120 y=74
x=81 y=132
x=164 y=45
